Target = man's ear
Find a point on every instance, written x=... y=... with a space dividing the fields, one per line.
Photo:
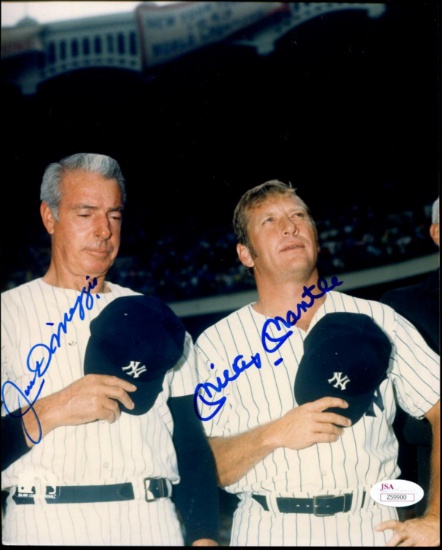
x=48 y=217
x=318 y=246
x=434 y=233
x=244 y=255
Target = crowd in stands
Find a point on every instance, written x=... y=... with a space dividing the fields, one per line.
x=179 y=268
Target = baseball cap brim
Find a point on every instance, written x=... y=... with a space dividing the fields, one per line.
x=147 y=391
x=346 y=355
x=306 y=392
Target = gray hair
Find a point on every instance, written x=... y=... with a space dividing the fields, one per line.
x=435 y=211
x=50 y=190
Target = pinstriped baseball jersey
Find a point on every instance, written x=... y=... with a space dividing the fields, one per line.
x=259 y=389
x=97 y=453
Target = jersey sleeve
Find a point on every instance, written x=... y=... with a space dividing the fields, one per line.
x=8 y=338
x=211 y=397
x=196 y=495
x=183 y=377
x=13 y=439
x=415 y=370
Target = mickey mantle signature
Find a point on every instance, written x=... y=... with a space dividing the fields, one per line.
x=204 y=392
x=40 y=357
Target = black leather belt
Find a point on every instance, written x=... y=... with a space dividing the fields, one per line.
x=323 y=505
x=155 y=488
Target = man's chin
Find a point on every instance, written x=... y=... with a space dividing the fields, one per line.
x=97 y=269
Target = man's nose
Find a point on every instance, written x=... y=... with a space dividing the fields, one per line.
x=103 y=230
x=290 y=226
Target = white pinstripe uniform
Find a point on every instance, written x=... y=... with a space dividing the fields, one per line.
x=97 y=453
x=364 y=455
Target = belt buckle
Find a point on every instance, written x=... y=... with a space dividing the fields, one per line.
x=52 y=492
x=316 y=504
x=155 y=488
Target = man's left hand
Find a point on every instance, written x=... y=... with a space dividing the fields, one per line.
x=204 y=542
x=423 y=531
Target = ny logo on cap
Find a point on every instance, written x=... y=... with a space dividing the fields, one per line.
x=134 y=369
x=340 y=381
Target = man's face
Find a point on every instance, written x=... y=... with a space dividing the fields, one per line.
x=86 y=237
x=434 y=233
x=283 y=240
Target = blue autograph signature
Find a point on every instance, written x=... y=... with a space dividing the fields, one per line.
x=40 y=357
x=269 y=343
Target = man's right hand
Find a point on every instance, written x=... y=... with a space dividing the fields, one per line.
x=301 y=427
x=93 y=397
x=308 y=424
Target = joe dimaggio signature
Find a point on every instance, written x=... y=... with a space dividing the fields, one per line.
x=40 y=357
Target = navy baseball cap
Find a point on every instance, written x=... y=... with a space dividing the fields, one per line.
x=137 y=338
x=346 y=355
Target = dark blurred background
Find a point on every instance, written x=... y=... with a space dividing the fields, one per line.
x=346 y=107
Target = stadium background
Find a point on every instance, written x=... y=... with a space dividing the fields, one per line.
x=346 y=108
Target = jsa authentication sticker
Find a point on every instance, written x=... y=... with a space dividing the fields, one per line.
x=396 y=492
